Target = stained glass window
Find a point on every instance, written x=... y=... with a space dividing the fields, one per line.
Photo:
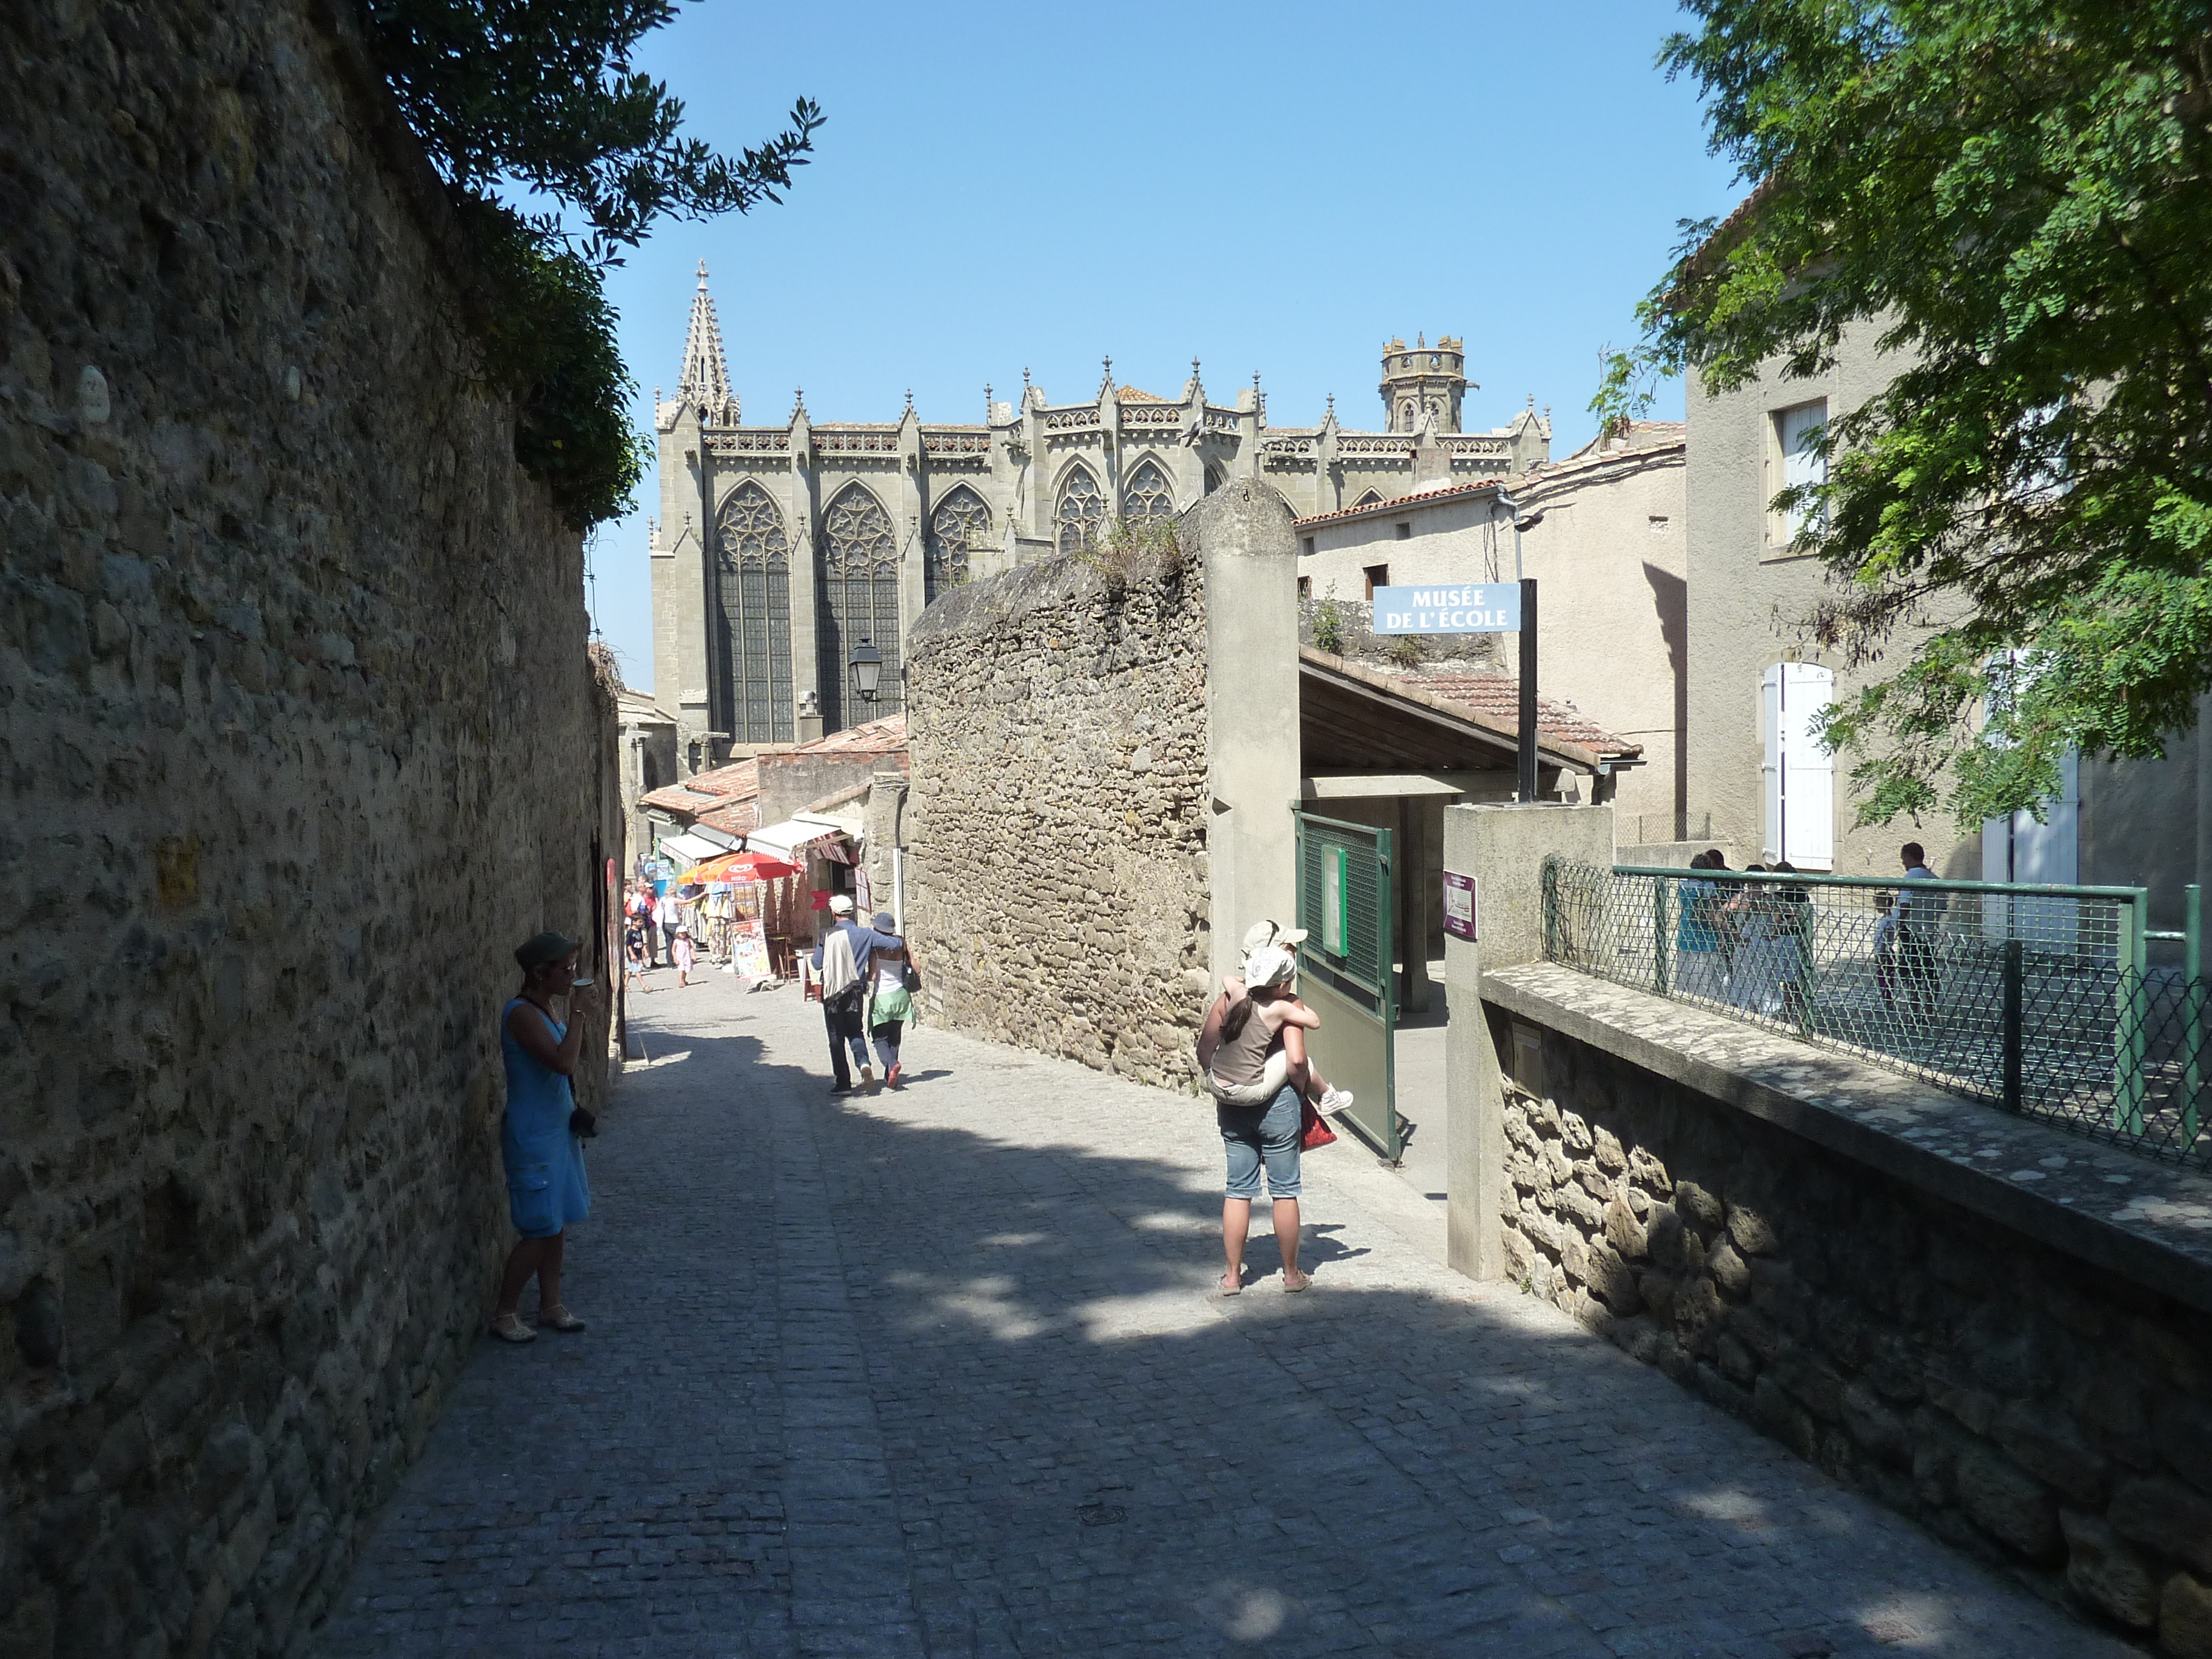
x=860 y=601
x=961 y=526
x=1148 y=498
x=1080 y=521
x=750 y=696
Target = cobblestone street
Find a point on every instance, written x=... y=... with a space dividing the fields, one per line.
x=938 y=1372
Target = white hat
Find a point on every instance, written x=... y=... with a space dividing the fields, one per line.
x=1267 y=933
x=840 y=904
x=1268 y=966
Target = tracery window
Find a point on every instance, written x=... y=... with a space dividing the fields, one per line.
x=1148 y=498
x=1080 y=521
x=749 y=697
x=1368 y=500
x=860 y=601
x=960 y=526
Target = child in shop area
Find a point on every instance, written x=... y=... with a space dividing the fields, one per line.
x=682 y=952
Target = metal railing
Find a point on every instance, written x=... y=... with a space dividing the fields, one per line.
x=2039 y=1000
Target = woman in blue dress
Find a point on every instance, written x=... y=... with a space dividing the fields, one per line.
x=546 y=1189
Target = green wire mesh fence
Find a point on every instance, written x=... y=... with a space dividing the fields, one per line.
x=2039 y=1000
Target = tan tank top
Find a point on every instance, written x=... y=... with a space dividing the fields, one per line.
x=1238 y=1062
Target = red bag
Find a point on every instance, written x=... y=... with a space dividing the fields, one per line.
x=1313 y=1128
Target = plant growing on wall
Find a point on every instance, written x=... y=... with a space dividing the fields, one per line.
x=538 y=98
x=1134 y=551
x=1406 y=650
x=1328 y=626
x=2015 y=197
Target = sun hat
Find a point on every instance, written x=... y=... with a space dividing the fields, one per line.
x=1268 y=966
x=541 y=948
x=840 y=904
x=885 y=922
x=1267 y=933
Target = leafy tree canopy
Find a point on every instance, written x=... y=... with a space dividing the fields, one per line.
x=2014 y=197
x=540 y=98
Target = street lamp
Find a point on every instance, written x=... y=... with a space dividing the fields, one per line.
x=867 y=667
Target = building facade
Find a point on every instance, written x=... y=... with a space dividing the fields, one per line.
x=1605 y=540
x=782 y=549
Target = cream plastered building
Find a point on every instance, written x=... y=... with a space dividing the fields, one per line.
x=779 y=549
x=1606 y=544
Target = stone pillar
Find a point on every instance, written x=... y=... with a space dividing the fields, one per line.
x=1504 y=848
x=806 y=665
x=1243 y=534
x=883 y=829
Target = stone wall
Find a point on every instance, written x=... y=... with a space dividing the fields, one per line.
x=1057 y=887
x=2041 y=1410
x=300 y=739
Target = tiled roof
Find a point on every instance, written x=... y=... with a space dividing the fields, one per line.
x=1499 y=697
x=884 y=737
x=1129 y=394
x=704 y=790
x=1419 y=498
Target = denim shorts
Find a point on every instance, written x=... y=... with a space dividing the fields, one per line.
x=1258 y=1134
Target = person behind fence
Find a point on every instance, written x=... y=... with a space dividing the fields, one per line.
x=1756 y=970
x=1236 y=1042
x=1918 y=919
x=1701 y=933
x=1793 y=911
x=538 y=1143
x=890 y=1002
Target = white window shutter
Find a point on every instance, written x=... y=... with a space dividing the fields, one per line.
x=1770 y=733
x=1808 y=774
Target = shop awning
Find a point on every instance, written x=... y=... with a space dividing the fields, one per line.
x=794 y=838
x=687 y=849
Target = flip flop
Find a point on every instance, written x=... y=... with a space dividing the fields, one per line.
x=1225 y=1288
x=1306 y=1283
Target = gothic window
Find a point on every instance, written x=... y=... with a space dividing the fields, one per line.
x=1406 y=415
x=1368 y=500
x=1215 y=477
x=750 y=695
x=961 y=526
x=1148 y=498
x=860 y=601
x=1080 y=519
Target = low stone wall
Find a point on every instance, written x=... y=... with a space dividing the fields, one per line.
x=1057 y=882
x=300 y=739
x=2005 y=1368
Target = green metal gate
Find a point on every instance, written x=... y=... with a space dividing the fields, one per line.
x=1347 y=969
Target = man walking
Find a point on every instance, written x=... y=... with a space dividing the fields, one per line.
x=841 y=964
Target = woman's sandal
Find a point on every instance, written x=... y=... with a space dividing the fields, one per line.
x=1229 y=1287
x=558 y=1318
x=1306 y=1283
x=509 y=1328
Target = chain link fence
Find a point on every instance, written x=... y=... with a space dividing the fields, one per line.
x=2039 y=1000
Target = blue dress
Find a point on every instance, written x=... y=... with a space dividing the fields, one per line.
x=546 y=1189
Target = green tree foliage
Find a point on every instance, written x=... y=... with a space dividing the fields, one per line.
x=2015 y=198
x=539 y=99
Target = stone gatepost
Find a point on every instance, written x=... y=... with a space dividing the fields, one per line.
x=1243 y=534
x=1504 y=848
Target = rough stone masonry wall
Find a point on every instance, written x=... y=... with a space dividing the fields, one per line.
x=1056 y=891
x=297 y=740
x=2019 y=1402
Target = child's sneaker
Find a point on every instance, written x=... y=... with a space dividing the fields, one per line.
x=1336 y=1100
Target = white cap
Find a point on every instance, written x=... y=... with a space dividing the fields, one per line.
x=1267 y=933
x=840 y=904
x=1269 y=965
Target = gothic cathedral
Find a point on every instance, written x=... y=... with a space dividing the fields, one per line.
x=749 y=642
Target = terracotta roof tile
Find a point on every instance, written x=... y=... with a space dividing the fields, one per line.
x=1499 y=696
x=1419 y=498
x=1129 y=394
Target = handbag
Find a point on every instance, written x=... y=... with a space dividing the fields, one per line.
x=1313 y=1128
x=912 y=980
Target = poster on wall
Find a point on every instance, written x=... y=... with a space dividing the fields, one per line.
x=748 y=949
x=861 y=901
x=1460 y=904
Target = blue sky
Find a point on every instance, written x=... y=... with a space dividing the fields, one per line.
x=1279 y=187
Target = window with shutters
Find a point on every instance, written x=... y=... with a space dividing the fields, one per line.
x=1795 y=461
x=1798 y=798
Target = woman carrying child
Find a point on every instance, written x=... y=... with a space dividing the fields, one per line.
x=1242 y=1035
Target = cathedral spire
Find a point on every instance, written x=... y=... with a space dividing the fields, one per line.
x=706 y=377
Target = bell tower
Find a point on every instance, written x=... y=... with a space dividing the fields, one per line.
x=1423 y=380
